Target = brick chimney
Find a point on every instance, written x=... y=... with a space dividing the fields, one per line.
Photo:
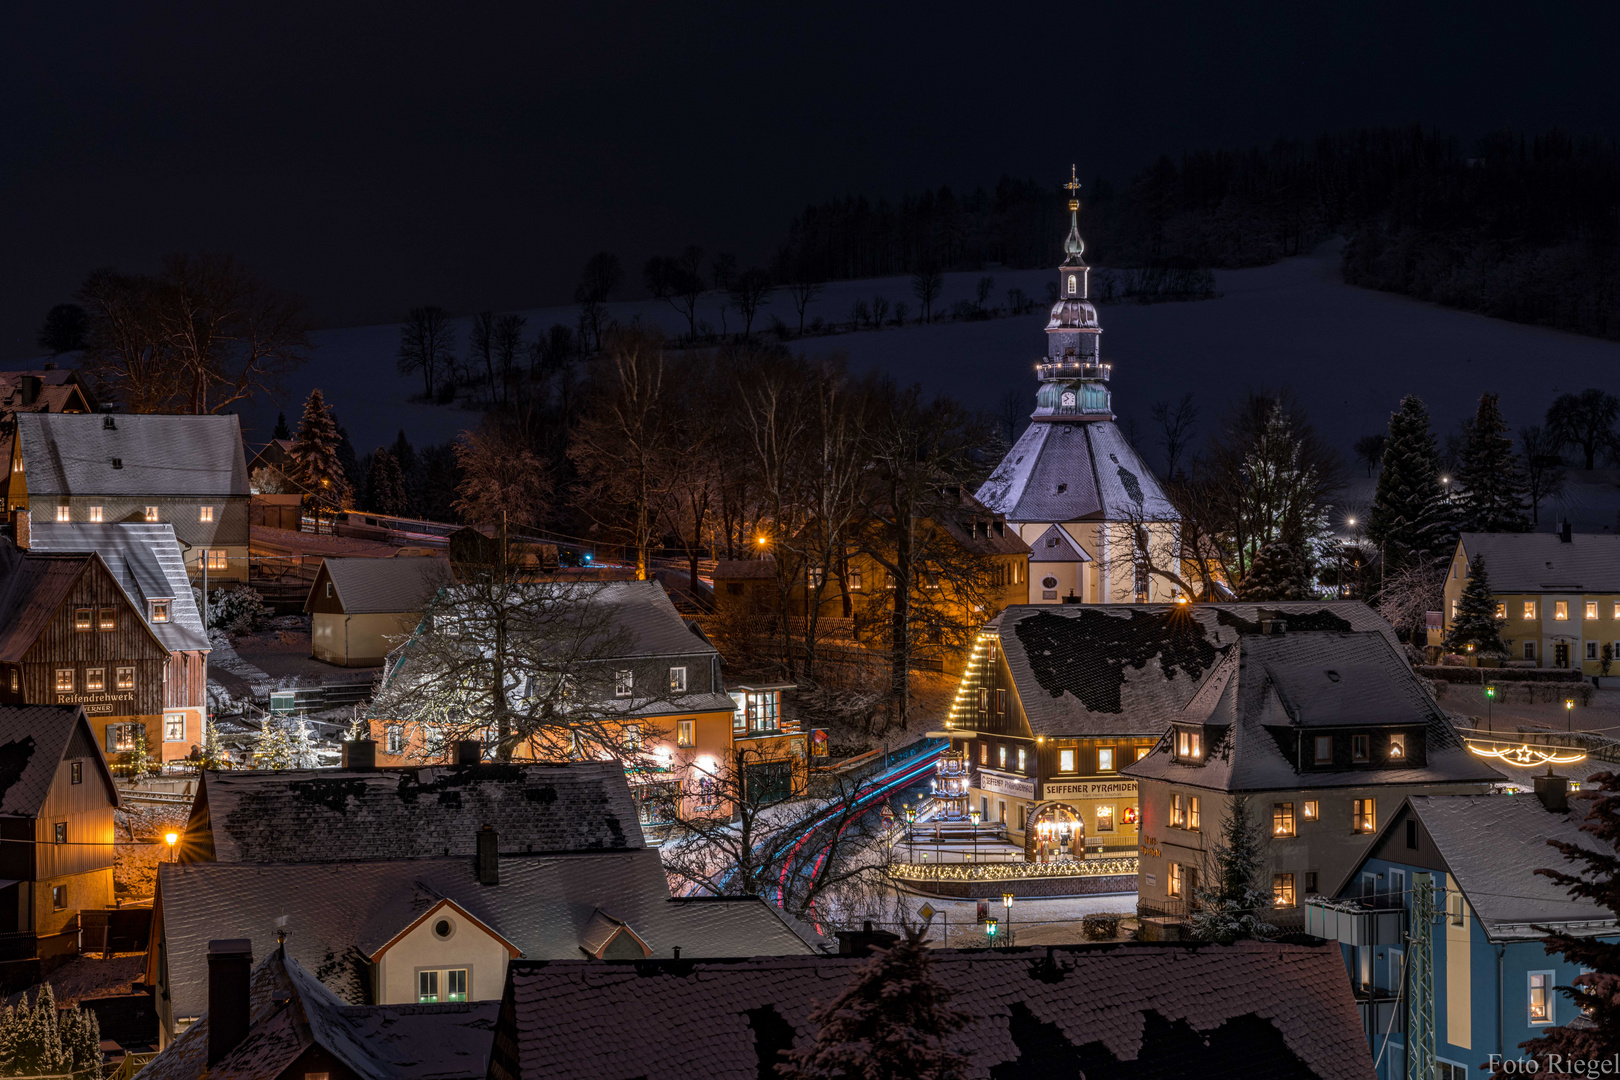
x=1564 y=534
x=230 y=968
x=1553 y=791
x=469 y=752
x=360 y=754
x=489 y=856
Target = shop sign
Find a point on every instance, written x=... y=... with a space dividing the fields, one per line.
x=1021 y=786
x=818 y=742
x=1089 y=789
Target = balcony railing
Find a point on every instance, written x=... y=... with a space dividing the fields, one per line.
x=1073 y=369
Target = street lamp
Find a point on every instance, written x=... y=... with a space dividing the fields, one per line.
x=171 y=839
x=1569 y=713
x=1006 y=902
x=990 y=929
x=911 y=816
x=1490 y=700
x=973 y=816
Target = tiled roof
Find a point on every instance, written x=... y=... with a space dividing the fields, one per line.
x=372 y=586
x=1259 y=1011
x=339 y=913
x=1056 y=545
x=1072 y=472
x=33 y=741
x=637 y=618
x=1267 y=684
x=1494 y=844
x=146 y=561
x=1097 y=669
x=289 y=1011
x=1541 y=562
x=73 y=454
x=32 y=589
x=334 y=815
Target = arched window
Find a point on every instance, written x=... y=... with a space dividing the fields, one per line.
x=1072 y=284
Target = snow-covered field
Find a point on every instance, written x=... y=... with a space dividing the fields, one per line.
x=1348 y=353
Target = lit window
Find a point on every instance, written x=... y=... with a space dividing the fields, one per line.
x=107 y=619
x=160 y=611
x=632 y=736
x=81 y=619
x=455 y=985
x=1189 y=744
x=95 y=680
x=95 y=513
x=217 y=559
x=1021 y=759
x=686 y=733
x=152 y=513
x=1501 y=611
x=125 y=678
x=1308 y=810
x=1193 y=819
x=623 y=682
x=1105 y=818
x=1065 y=761
x=64 y=680
x=427 y=986
x=1105 y=759
x=1364 y=813
x=1282 y=819
x=1177 y=885
x=1001 y=757
x=677 y=680
x=1541 y=997
x=174 y=727
x=854 y=580
x=121 y=737
x=1143 y=751
x=1617 y=609
x=1001 y=703
x=1178 y=811
x=64 y=513
x=984 y=753
x=394 y=739
x=1591 y=609
x=1282 y=890
x=1360 y=748
x=1324 y=749
x=1073 y=284
x=1397 y=746
x=61 y=832
x=1561 y=609
x=1530 y=609
x=205 y=513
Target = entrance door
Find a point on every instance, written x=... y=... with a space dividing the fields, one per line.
x=1561 y=654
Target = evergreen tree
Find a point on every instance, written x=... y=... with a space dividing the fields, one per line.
x=300 y=746
x=138 y=759
x=274 y=749
x=1595 y=1033
x=1493 y=496
x=37 y=1040
x=1279 y=572
x=891 y=1021
x=1409 y=517
x=282 y=431
x=213 y=752
x=1475 y=623
x=410 y=467
x=316 y=463
x=1229 y=905
x=385 y=484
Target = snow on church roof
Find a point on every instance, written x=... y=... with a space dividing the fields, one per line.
x=1074 y=472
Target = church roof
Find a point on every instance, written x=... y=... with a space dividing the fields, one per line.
x=1055 y=545
x=1075 y=472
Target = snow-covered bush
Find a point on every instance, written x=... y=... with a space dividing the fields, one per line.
x=240 y=610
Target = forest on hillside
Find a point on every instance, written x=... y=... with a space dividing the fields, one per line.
x=1519 y=227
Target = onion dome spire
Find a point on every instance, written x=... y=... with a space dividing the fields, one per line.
x=1074 y=247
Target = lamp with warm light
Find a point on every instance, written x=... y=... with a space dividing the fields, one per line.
x=171 y=839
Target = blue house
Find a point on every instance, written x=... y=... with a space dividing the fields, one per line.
x=1493 y=984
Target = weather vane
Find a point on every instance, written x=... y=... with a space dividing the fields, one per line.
x=1073 y=187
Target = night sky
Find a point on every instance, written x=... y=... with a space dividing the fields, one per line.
x=463 y=155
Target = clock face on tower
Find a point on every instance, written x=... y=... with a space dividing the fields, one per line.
x=1068 y=399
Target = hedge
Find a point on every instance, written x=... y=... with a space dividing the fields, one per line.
x=1477 y=676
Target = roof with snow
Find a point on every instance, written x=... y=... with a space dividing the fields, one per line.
x=1056 y=545
x=1270 y=689
x=145 y=559
x=34 y=740
x=337 y=815
x=1075 y=472
x=545 y=905
x=1098 y=669
x=365 y=586
x=290 y=1012
x=140 y=454
x=1150 y=1012
x=1541 y=562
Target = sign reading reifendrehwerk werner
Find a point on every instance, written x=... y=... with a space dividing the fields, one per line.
x=1089 y=789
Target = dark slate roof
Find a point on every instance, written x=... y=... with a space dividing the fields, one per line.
x=1494 y=844
x=159 y=455
x=543 y=905
x=1253 y=1010
x=33 y=741
x=1118 y=669
x=146 y=561
x=1072 y=472
x=1310 y=680
x=289 y=1011
x=1056 y=545
x=975 y=526
x=32 y=589
x=335 y=815
x=380 y=586
x=638 y=620
x=1541 y=562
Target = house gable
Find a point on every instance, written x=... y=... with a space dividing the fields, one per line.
x=425 y=927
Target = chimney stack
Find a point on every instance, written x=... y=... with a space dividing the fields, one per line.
x=230 y=968
x=1553 y=791
x=469 y=752
x=19 y=529
x=1564 y=536
x=861 y=942
x=489 y=857
x=360 y=754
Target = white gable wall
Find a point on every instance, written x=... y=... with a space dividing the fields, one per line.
x=469 y=946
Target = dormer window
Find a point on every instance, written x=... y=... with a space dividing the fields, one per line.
x=1189 y=744
x=95 y=513
x=205 y=514
x=64 y=513
x=160 y=611
x=1324 y=750
x=1397 y=747
x=1360 y=748
x=152 y=514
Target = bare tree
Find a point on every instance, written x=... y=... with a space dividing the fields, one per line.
x=1543 y=468
x=427 y=344
x=1407 y=595
x=126 y=351
x=601 y=276
x=481 y=347
x=678 y=281
x=750 y=291
x=502 y=480
x=926 y=284
x=1369 y=450
x=506 y=342
x=803 y=290
x=1585 y=420
x=1176 y=425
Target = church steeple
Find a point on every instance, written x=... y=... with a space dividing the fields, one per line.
x=1074 y=380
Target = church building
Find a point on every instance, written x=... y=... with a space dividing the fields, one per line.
x=1079 y=495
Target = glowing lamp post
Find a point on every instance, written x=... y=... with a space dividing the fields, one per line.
x=1569 y=714
x=1490 y=702
x=973 y=816
x=990 y=927
x=1006 y=902
x=911 y=817
x=171 y=839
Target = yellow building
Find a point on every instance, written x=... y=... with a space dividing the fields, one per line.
x=360 y=609
x=1557 y=595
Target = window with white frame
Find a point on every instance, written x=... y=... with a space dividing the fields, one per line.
x=1561 y=609
x=205 y=513
x=1194 y=820
x=443 y=985
x=95 y=680
x=1591 y=609
x=160 y=610
x=1591 y=650
x=174 y=727
x=1540 y=997
x=394 y=738
x=64 y=513
x=623 y=683
x=1177 y=884
x=1530 y=609
x=152 y=513
x=125 y=678
x=1105 y=759
x=677 y=680
x=632 y=736
x=218 y=559
x=1065 y=761
x=64 y=680
x=95 y=513
x=686 y=733
x=1178 y=811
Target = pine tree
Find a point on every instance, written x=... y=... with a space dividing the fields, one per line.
x=281 y=431
x=1596 y=1034
x=316 y=464
x=385 y=484
x=274 y=749
x=1475 y=623
x=1279 y=572
x=37 y=1040
x=1229 y=905
x=213 y=753
x=138 y=760
x=300 y=747
x=891 y=1021
x=1493 y=490
x=1409 y=516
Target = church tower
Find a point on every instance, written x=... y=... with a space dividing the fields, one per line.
x=1091 y=510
